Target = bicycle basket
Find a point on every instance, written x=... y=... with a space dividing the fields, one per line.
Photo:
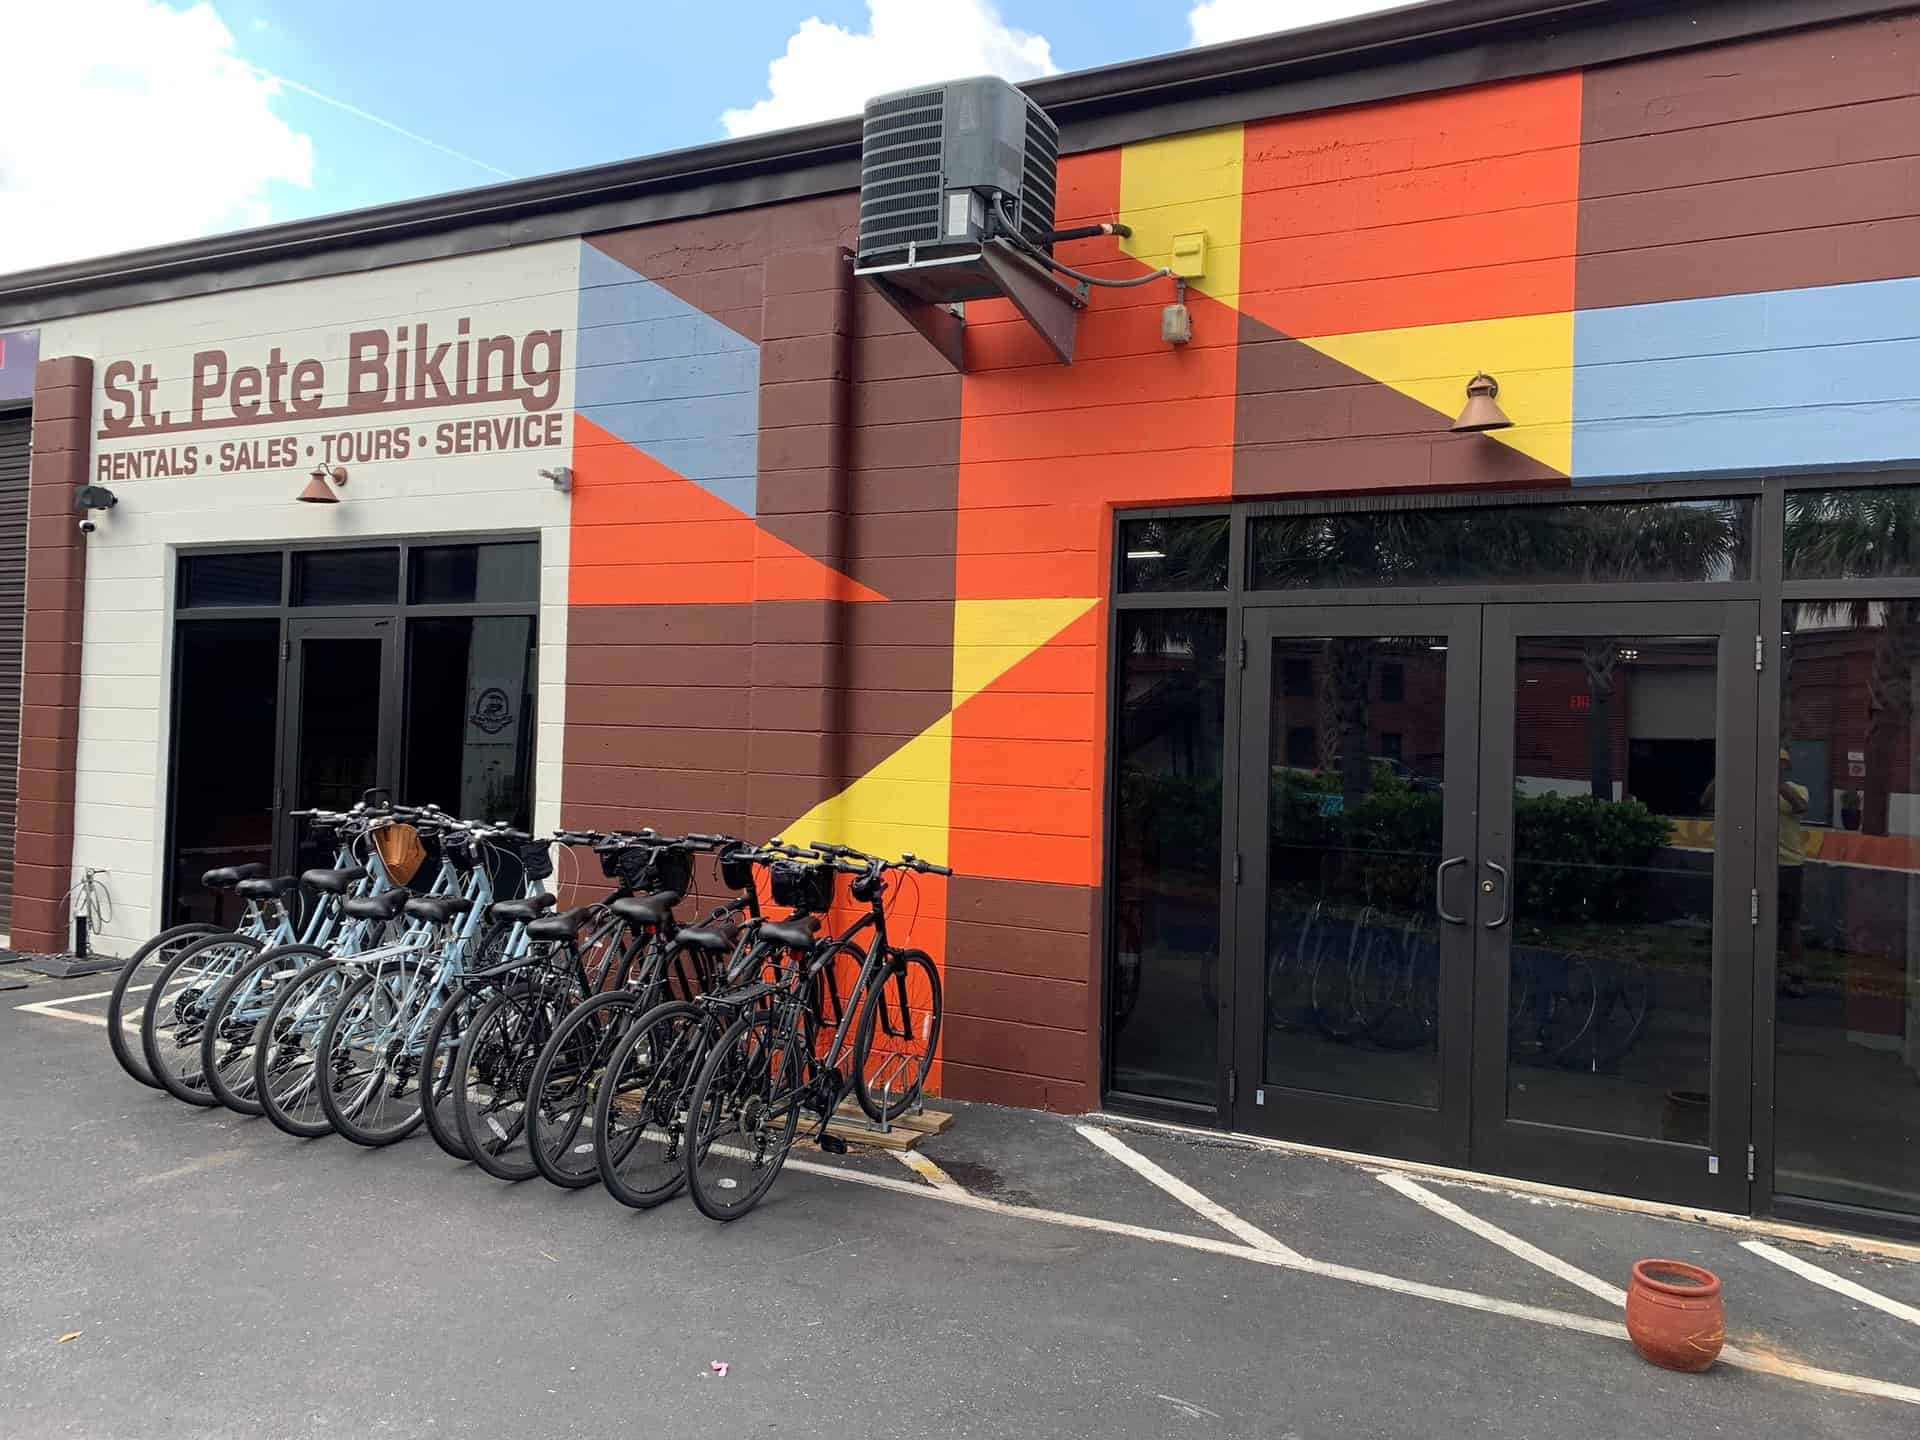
x=536 y=859
x=736 y=872
x=643 y=868
x=400 y=850
x=803 y=887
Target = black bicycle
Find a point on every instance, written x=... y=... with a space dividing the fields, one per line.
x=770 y=1066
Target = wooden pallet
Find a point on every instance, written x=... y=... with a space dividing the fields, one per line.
x=850 y=1123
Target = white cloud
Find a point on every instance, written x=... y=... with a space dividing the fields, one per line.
x=828 y=71
x=126 y=123
x=1213 y=21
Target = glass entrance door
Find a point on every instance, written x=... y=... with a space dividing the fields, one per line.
x=1496 y=872
x=342 y=736
x=1613 y=897
x=1354 y=990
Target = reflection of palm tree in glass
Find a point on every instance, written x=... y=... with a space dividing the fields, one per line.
x=1858 y=534
x=1571 y=544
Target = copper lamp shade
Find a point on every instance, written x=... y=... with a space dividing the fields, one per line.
x=318 y=492
x=1482 y=412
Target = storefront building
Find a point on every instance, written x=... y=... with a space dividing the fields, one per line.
x=1543 y=801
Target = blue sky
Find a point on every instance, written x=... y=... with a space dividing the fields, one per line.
x=603 y=82
x=221 y=114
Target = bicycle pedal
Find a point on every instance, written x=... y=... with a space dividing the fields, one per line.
x=833 y=1145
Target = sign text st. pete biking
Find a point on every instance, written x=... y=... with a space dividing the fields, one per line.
x=404 y=368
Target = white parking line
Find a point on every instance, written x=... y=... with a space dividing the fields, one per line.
x=1839 y=1284
x=1505 y=1239
x=55 y=1009
x=1283 y=1259
x=76 y=999
x=1188 y=1196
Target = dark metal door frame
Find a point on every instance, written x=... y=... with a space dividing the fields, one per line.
x=1715 y=1176
x=1439 y=1135
x=385 y=688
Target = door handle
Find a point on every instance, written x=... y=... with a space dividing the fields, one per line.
x=1506 y=886
x=1439 y=890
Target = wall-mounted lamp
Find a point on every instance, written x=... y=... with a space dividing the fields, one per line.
x=1481 y=412
x=89 y=498
x=318 y=491
x=561 y=476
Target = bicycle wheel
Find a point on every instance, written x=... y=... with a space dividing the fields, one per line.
x=369 y=1066
x=285 y=1052
x=743 y=1112
x=442 y=1049
x=177 y=1007
x=233 y=1022
x=492 y=1073
x=143 y=967
x=639 y=1114
x=896 y=1035
x=566 y=1080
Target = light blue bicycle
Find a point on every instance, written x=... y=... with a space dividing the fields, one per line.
x=409 y=951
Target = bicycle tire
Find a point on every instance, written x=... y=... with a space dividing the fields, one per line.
x=895 y=981
x=443 y=1047
x=231 y=1085
x=554 y=1121
x=395 y=982
x=176 y=1034
x=284 y=1068
x=503 y=1064
x=749 y=1086
x=646 y=1082
x=150 y=959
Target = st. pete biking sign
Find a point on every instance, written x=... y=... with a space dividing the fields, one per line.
x=274 y=405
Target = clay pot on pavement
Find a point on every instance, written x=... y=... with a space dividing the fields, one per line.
x=1674 y=1314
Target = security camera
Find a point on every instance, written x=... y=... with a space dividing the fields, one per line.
x=561 y=477
x=87 y=527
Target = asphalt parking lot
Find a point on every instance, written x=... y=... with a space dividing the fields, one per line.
x=1042 y=1276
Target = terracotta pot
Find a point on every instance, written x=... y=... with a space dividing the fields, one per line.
x=1674 y=1314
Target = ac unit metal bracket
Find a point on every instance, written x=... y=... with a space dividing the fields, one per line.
x=924 y=291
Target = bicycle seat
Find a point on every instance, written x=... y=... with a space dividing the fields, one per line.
x=531 y=908
x=796 y=934
x=383 y=906
x=228 y=876
x=333 y=882
x=437 y=908
x=714 y=941
x=561 y=926
x=265 y=889
x=646 y=909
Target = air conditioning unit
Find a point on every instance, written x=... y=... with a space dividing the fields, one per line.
x=944 y=167
x=956 y=204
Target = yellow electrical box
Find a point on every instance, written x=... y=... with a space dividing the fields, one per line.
x=1189 y=255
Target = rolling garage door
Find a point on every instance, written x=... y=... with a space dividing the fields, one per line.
x=15 y=432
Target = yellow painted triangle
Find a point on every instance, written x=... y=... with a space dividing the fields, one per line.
x=1187 y=185
x=990 y=637
x=1530 y=355
x=900 y=805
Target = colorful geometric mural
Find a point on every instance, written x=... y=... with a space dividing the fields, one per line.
x=1699 y=263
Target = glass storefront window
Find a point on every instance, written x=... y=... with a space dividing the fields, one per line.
x=1614 y=543
x=473 y=574
x=1847 y=1032
x=1853 y=534
x=248 y=578
x=346 y=577
x=1179 y=553
x=469 y=727
x=1163 y=988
